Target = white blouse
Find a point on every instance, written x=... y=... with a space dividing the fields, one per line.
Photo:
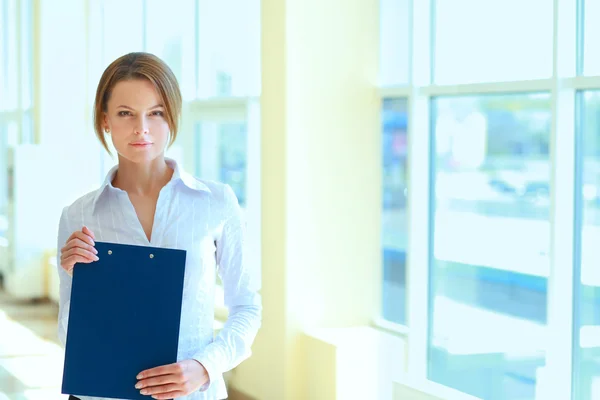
x=203 y=218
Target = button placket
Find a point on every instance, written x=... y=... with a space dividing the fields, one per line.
x=132 y=219
x=157 y=226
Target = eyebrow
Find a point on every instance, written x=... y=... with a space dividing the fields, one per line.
x=151 y=108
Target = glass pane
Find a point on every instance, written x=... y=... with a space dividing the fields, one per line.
x=95 y=59
x=123 y=28
x=174 y=41
x=4 y=192
x=3 y=53
x=591 y=35
x=501 y=40
x=27 y=54
x=395 y=35
x=394 y=222
x=588 y=303
x=8 y=56
x=221 y=154
x=228 y=48
x=11 y=100
x=491 y=244
x=12 y=133
x=28 y=135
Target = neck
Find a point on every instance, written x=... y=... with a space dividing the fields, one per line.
x=142 y=178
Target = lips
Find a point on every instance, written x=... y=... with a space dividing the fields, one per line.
x=141 y=144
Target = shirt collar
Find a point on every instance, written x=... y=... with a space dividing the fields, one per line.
x=178 y=175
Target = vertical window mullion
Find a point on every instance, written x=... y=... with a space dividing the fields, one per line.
x=556 y=380
x=419 y=189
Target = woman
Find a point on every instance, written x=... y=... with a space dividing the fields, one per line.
x=148 y=199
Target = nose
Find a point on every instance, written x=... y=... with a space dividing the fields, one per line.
x=141 y=128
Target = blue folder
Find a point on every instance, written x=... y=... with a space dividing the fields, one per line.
x=124 y=318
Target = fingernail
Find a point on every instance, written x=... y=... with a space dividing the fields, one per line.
x=95 y=250
x=144 y=391
x=138 y=386
x=96 y=258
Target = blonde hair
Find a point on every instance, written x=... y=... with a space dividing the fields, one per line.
x=133 y=66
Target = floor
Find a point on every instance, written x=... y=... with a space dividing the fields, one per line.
x=31 y=358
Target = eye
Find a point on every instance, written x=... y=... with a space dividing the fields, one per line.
x=124 y=113
x=158 y=113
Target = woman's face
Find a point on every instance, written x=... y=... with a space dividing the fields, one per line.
x=136 y=119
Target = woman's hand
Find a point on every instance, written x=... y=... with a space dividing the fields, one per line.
x=78 y=249
x=173 y=380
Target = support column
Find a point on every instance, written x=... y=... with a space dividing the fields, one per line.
x=321 y=183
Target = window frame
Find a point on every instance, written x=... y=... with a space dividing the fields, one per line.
x=565 y=241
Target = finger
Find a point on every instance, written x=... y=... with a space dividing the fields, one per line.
x=88 y=232
x=86 y=237
x=81 y=236
x=77 y=251
x=159 y=380
x=162 y=370
x=76 y=242
x=171 y=387
x=170 y=395
x=70 y=262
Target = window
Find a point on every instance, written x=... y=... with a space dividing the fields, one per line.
x=394 y=33
x=587 y=367
x=394 y=73
x=122 y=27
x=8 y=56
x=506 y=135
x=16 y=104
x=228 y=151
x=591 y=33
x=5 y=201
x=394 y=216
x=488 y=41
x=174 y=40
x=27 y=55
x=221 y=154
x=228 y=45
x=490 y=243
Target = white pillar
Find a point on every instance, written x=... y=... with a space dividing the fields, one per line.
x=321 y=182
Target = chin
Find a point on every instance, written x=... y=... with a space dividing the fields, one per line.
x=140 y=155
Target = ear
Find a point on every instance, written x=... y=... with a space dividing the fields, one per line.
x=105 y=119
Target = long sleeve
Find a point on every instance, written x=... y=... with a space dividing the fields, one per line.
x=233 y=343
x=64 y=280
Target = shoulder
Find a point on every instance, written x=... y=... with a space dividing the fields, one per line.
x=223 y=200
x=219 y=192
x=80 y=207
